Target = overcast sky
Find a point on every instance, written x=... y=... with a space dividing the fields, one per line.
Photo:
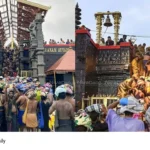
x=135 y=16
x=60 y=19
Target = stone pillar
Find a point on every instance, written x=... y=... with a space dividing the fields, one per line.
x=40 y=48
x=99 y=19
x=82 y=42
x=116 y=27
x=21 y=56
x=34 y=68
x=33 y=58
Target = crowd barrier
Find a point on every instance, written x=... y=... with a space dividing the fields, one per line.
x=106 y=100
x=26 y=73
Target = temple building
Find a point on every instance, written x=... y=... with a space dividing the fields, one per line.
x=22 y=20
x=53 y=52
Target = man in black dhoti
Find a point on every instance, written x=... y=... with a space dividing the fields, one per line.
x=64 y=111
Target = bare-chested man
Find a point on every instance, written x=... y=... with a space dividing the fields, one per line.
x=70 y=99
x=69 y=95
x=31 y=120
x=49 y=95
x=22 y=103
x=11 y=108
x=64 y=111
x=3 y=125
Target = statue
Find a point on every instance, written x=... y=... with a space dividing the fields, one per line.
x=32 y=29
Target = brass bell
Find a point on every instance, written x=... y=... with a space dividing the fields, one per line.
x=108 y=22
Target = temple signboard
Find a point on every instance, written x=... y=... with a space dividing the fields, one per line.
x=57 y=49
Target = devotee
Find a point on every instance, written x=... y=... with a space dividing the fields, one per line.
x=146 y=59
x=109 y=41
x=140 y=65
x=3 y=125
x=68 y=42
x=123 y=39
x=125 y=86
x=126 y=123
x=48 y=90
x=69 y=95
x=147 y=120
x=22 y=104
x=50 y=41
x=69 y=98
x=31 y=114
x=62 y=41
x=64 y=111
x=45 y=108
x=83 y=122
x=53 y=42
x=143 y=48
x=11 y=108
x=71 y=42
x=97 y=113
x=134 y=65
x=147 y=88
x=102 y=42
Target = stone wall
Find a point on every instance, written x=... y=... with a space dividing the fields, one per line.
x=112 y=68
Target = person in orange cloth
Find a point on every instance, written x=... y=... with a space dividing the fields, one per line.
x=127 y=85
x=31 y=118
x=141 y=66
x=135 y=65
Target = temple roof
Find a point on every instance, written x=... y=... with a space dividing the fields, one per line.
x=16 y=16
x=65 y=64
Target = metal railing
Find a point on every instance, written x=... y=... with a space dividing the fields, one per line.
x=26 y=73
x=98 y=100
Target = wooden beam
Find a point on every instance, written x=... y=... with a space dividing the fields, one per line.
x=14 y=22
x=14 y=5
x=34 y=4
x=14 y=17
x=3 y=12
x=5 y=22
x=14 y=12
x=5 y=17
x=2 y=5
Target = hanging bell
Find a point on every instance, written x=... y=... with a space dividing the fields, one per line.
x=108 y=22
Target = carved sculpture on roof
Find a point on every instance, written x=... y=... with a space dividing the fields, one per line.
x=32 y=29
x=39 y=17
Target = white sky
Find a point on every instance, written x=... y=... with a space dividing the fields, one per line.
x=135 y=17
x=59 y=21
